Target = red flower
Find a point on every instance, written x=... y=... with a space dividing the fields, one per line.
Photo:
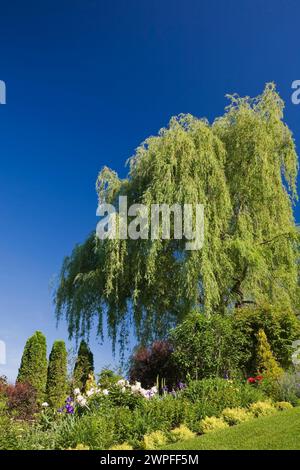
x=251 y=380
x=259 y=378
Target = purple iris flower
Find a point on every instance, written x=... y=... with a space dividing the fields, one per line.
x=69 y=409
x=181 y=385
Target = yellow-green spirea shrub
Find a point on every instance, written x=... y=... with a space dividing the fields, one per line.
x=79 y=447
x=283 y=405
x=124 y=446
x=154 y=440
x=234 y=416
x=182 y=433
x=211 y=423
x=262 y=408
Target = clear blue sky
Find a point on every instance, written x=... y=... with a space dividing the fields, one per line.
x=87 y=81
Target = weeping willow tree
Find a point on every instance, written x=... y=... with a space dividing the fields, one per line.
x=243 y=169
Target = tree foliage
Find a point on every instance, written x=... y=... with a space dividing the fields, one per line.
x=56 y=388
x=243 y=169
x=84 y=366
x=33 y=368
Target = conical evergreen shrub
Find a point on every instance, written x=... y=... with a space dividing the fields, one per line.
x=57 y=386
x=33 y=368
x=84 y=366
x=266 y=362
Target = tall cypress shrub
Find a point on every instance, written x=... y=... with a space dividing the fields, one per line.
x=56 y=388
x=33 y=368
x=84 y=366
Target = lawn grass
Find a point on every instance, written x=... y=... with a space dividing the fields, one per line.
x=278 y=432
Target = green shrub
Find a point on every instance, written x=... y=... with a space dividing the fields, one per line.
x=283 y=405
x=280 y=325
x=154 y=440
x=8 y=434
x=124 y=398
x=33 y=368
x=182 y=433
x=262 y=408
x=212 y=349
x=124 y=446
x=94 y=431
x=80 y=447
x=287 y=388
x=108 y=378
x=211 y=423
x=213 y=395
x=56 y=387
x=234 y=416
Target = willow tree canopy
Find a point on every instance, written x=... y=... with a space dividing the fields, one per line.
x=243 y=169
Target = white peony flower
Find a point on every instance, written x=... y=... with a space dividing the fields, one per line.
x=121 y=383
x=77 y=391
x=89 y=393
x=105 y=392
x=45 y=404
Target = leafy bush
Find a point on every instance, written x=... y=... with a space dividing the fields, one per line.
x=154 y=440
x=148 y=365
x=288 y=388
x=213 y=395
x=108 y=377
x=280 y=325
x=117 y=397
x=211 y=423
x=283 y=405
x=182 y=433
x=8 y=434
x=124 y=446
x=94 y=430
x=262 y=408
x=80 y=447
x=234 y=416
x=22 y=400
x=206 y=346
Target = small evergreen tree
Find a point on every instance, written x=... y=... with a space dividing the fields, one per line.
x=266 y=362
x=56 y=388
x=84 y=366
x=33 y=368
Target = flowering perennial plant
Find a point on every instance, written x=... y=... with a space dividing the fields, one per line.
x=255 y=380
x=81 y=400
